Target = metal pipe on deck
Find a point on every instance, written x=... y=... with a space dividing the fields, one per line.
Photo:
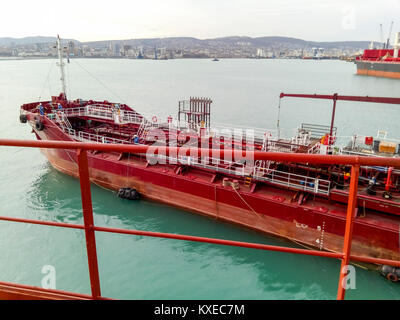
x=226 y=153
x=344 y=98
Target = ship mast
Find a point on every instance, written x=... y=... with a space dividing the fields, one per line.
x=61 y=64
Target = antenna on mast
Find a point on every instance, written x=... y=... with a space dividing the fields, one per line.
x=61 y=64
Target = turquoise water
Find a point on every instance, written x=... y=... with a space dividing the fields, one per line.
x=244 y=92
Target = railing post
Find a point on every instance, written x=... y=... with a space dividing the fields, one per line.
x=352 y=203
x=89 y=223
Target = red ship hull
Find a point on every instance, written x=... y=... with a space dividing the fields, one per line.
x=318 y=223
x=378 y=63
x=379 y=69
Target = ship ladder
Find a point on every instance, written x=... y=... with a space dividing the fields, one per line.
x=63 y=120
x=66 y=121
x=143 y=126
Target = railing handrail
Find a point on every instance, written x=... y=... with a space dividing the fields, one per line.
x=257 y=155
x=90 y=228
x=128 y=114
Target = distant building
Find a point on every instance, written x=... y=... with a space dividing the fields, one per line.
x=126 y=48
x=72 y=48
x=117 y=49
x=261 y=53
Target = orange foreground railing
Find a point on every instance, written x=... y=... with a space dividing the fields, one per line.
x=16 y=291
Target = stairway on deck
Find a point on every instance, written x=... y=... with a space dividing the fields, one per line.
x=304 y=149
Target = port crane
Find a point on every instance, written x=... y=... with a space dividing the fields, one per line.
x=385 y=44
x=381 y=38
x=390 y=33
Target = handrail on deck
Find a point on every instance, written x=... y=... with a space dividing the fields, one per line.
x=9 y=290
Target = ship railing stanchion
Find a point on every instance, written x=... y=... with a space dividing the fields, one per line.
x=89 y=223
x=351 y=207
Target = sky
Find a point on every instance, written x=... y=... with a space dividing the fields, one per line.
x=88 y=20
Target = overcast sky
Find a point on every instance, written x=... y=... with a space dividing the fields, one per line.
x=87 y=20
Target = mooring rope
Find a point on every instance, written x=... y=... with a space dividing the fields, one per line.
x=101 y=82
x=246 y=202
x=46 y=79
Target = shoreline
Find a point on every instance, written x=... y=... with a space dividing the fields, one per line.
x=186 y=58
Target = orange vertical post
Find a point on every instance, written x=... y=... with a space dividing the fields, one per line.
x=351 y=206
x=89 y=223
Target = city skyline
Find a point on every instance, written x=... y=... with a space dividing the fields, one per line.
x=312 y=20
x=171 y=48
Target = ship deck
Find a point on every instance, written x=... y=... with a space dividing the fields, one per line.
x=323 y=205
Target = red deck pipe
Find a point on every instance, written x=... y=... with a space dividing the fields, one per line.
x=223 y=242
x=344 y=98
x=202 y=239
x=258 y=155
x=43 y=223
x=12 y=291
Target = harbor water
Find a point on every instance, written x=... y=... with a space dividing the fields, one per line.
x=244 y=92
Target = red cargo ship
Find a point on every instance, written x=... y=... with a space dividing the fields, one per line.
x=305 y=203
x=380 y=62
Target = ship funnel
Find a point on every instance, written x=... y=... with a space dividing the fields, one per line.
x=396 y=45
